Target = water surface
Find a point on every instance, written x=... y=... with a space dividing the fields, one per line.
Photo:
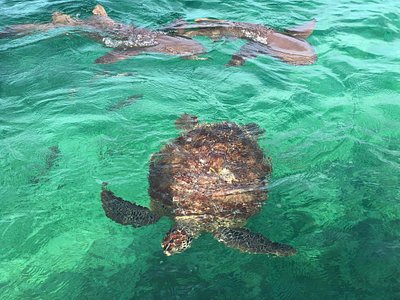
x=332 y=130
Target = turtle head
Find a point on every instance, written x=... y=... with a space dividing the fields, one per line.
x=177 y=240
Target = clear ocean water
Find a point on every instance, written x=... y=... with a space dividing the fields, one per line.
x=332 y=130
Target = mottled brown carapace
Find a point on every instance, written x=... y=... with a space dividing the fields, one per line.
x=211 y=176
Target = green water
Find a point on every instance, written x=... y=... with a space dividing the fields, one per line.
x=332 y=130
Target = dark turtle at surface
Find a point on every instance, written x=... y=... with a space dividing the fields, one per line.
x=212 y=178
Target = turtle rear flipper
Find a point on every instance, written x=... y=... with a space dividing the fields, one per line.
x=247 y=241
x=186 y=122
x=125 y=212
x=254 y=129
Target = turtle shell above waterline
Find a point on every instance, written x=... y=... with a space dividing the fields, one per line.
x=211 y=176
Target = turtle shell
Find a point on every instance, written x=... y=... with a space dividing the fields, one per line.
x=213 y=175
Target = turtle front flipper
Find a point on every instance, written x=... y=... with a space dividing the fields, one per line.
x=178 y=239
x=124 y=212
x=247 y=241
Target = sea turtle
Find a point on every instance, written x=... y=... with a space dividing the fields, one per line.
x=211 y=178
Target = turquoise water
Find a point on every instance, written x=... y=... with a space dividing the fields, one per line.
x=332 y=130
